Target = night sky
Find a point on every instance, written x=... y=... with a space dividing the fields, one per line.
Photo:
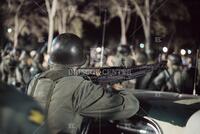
x=189 y=29
x=194 y=24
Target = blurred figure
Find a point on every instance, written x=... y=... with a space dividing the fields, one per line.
x=37 y=64
x=140 y=59
x=172 y=78
x=164 y=57
x=146 y=82
x=188 y=76
x=45 y=62
x=94 y=58
x=22 y=71
x=8 y=67
x=122 y=58
x=111 y=57
x=4 y=66
x=13 y=67
x=19 y=113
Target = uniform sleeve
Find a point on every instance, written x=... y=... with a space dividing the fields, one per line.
x=93 y=101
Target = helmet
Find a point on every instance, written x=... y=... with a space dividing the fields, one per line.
x=67 y=49
x=141 y=58
x=124 y=49
x=175 y=59
x=153 y=54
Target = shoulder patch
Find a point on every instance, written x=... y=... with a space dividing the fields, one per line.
x=36 y=117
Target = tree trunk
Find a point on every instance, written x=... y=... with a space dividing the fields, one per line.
x=59 y=22
x=51 y=30
x=147 y=40
x=59 y=25
x=16 y=31
x=64 y=21
x=51 y=14
x=148 y=30
x=123 y=40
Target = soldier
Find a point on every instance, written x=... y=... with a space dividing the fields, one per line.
x=122 y=57
x=37 y=64
x=19 y=114
x=67 y=99
x=171 y=79
x=140 y=59
x=146 y=82
x=4 y=66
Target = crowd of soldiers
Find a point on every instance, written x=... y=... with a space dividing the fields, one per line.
x=19 y=66
x=179 y=76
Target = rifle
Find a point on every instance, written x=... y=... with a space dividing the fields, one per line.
x=112 y=75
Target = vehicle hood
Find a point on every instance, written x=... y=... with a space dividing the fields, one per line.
x=168 y=107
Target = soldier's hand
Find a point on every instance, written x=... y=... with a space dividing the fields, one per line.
x=117 y=86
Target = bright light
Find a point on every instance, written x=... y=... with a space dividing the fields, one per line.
x=183 y=52
x=189 y=51
x=98 y=49
x=141 y=45
x=165 y=49
x=9 y=30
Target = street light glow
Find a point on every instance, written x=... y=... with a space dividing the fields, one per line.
x=9 y=30
x=189 y=51
x=141 y=45
x=183 y=52
x=98 y=49
x=165 y=49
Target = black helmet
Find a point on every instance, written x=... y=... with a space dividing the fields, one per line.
x=124 y=49
x=67 y=49
x=175 y=59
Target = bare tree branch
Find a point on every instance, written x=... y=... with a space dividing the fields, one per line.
x=139 y=12
x=72 y=12
x=125 y=10
x=19 y=7
x=9 y=4
x=21 y=25
x=48 y=6
x=128 y=20
x=119 y=8
x=54 y=7
x=153 y=4
x=51 y=14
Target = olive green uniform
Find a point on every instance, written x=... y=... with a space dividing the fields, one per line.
x=165 y=82
x=71 y=98
x=19 y=114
